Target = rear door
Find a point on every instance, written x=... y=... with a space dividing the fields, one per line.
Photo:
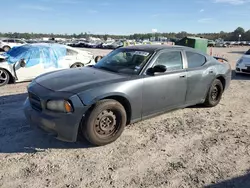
x=165 y=91
x=199 y=77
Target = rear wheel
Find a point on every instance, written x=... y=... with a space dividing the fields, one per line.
x=105 y=123
x=4 y=77
x=98 y=58
x=214 y=94
x=6 y=48
x=77 y=65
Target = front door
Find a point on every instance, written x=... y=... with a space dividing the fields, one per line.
x=165 y=91
x=33 y=67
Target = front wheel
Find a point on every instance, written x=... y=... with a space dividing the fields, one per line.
x=105 y=123
x=214 y=94
x=4 y=77
x=6 y=48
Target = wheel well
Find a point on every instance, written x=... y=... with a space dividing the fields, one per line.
x=76 y=63
x=125 y=103
x=12 y=79
x=223 y=81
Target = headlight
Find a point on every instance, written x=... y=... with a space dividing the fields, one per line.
x=239 y=62
x=59 y=106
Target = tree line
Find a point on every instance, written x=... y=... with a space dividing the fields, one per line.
x=227 y=36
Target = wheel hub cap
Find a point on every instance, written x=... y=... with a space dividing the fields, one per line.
x=215 y=93
x=105 y=123
x=3 y=76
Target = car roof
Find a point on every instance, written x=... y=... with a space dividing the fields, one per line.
x=155 y=48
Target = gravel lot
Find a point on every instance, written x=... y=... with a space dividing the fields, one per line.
x=193 y=147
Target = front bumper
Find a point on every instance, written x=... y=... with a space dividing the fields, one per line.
x=243 y=70
x=63 y=126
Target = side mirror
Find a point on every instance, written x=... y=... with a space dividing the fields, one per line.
x=22 y=63
x=159 y=68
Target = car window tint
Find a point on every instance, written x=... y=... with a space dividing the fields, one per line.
x=19 y=41
x=248 y=52
x=5 y=40
x=172 y=60
x=195 y=59
x=11 y=41
x=71 y=52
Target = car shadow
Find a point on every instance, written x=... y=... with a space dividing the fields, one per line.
x=240 y=76
x=238 y=182
x=16 y=136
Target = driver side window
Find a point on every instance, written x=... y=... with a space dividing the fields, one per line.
x=172 y=60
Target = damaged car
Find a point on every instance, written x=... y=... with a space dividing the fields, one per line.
x=128 y=85
x=26 y=62
x=243 y=64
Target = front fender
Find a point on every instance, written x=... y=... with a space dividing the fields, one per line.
x=130 y=90
x=88 y=101
x=8 y=67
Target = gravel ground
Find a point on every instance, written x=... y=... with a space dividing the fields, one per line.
x=193 y=147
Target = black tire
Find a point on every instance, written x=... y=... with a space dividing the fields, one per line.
x=6 y=48
x=104 y=123
x=214 y=94
x=4 y=77
x=77 y=65
x=98 y=58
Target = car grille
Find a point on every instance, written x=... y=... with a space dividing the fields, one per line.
x=35 y=102
x=245 y=70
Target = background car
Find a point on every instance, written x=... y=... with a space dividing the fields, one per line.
x=126 y=86
x=243 y=64
x=7 y=44
x=26 y=62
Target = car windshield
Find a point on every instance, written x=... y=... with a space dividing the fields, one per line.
x=17 y=51
x=126 y=61
x=248 y=52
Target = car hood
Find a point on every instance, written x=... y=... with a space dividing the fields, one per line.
x=78 y=79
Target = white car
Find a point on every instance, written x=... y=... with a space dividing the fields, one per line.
x=243 y=64
x=26 y=62
x=7 y=44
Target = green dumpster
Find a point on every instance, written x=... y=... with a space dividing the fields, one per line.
x=194 y=42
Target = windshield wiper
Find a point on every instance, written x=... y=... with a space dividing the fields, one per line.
x=106 y=68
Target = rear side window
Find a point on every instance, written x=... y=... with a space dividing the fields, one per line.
x=11 y=41
x=195 y=60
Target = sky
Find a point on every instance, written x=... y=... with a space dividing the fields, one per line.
x=123 y=16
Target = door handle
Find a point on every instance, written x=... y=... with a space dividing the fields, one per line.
x=182 y=76
x=211 y=71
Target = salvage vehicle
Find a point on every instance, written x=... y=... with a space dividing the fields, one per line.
x=26 y=62
x=7 y=44
x=126 y=86
x=243 y=64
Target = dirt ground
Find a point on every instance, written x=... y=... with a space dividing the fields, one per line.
x=193 y=147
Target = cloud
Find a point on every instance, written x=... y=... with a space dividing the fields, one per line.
x=91 y=11
x=202 y=10
x=205 y=20
x=36 y=7
x=232 y=2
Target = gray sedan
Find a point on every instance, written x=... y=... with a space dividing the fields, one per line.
x=126 y=86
